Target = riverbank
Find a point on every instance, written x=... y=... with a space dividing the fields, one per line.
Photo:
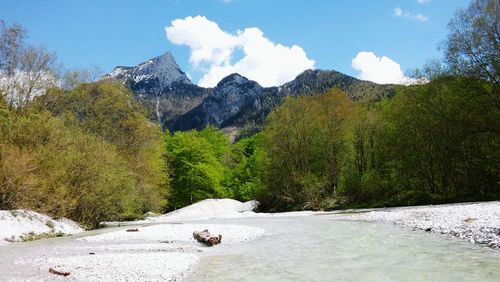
x=161 y=252
x=25 y=225
x=159 y=248
x=209 y=209
x=475 y=222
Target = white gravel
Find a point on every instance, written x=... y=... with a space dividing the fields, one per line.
x=16 y=224
x=158 y=251
x=161 y=252
x=209 y=209
x=163 y=246
x=123 y=267
x=222 y=208
x=179 y=233
x=475 y=222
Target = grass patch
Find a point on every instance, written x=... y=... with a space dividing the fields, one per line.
x=32 y=236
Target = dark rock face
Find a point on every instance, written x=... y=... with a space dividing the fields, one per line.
x=173 y=103
x=224 y=102
x=236 y=101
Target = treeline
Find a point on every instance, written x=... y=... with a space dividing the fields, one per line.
x=432 y=143
x=88 y=154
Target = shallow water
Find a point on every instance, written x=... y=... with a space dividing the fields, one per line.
x=320 y=248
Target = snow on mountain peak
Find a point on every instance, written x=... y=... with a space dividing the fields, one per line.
x=163 y=68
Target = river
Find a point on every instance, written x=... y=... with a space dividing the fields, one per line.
x=320 y=248
x=306 y=248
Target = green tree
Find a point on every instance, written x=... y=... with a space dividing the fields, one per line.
x=196 y=160
x=443 y=138
x=245 y=172
x=472 y=47
x=107 y=110
x=368 y=179
x=306 y=142
x=86 y=152
x=51 y=168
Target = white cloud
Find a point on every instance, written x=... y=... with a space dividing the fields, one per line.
x=423 y=1
x=421 y=18
x=212 y=49
x=398 y=12
x=379 y=69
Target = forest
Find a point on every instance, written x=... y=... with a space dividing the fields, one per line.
x=72 y=146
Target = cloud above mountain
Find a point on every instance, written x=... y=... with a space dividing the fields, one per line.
x=217 y=53
x=379 y=69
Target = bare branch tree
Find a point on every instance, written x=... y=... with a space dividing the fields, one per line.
x=74 y=77
x=25 y=71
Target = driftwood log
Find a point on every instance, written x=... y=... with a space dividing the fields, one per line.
x=57 y=272
x=206 y=238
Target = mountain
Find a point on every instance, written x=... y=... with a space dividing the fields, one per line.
x=152 y=76
x=236 y=101
x=309 y=82
x=225 y=101
x=162 y=87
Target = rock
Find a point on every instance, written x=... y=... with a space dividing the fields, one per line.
x=231 y=94
x=155 y=74
x=252 y=205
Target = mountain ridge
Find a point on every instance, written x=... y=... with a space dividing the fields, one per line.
x=236 y=101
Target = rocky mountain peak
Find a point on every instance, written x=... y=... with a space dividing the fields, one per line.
x=234 y=78
x=162 y=71
x=311 y=74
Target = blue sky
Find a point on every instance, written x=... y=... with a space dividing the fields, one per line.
x=331 y=33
